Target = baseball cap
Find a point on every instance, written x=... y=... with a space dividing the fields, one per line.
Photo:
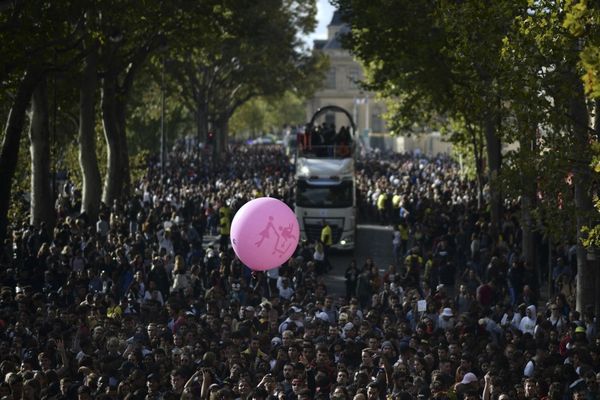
x=469 y=378
x=323 y=316
x=447 y=312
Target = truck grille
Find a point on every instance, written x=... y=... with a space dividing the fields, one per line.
x=313 y=230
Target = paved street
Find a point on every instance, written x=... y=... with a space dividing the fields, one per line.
x=373 y=241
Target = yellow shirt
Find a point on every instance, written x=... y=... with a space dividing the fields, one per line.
x=114 y=312
x=225 y=224
x=403 y=232
x=326 y=236
x=226 y=211
x=381 y=201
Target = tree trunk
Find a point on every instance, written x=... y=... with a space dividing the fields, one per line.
x=494 y=155
x=9 y=154
x=42 y=203
x=478 y=167
x=92 y=185
x=123 y=147
x=586 y=273
x=527 y=239
x=222 y=136
x=528 y=198
x=202 y=121
x=113 y=182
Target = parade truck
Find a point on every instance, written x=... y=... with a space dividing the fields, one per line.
x=325 y=181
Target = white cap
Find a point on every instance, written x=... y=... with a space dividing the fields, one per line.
x=322 y=316
x=469 y=378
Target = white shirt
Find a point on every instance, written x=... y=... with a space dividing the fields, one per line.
x=527 y=325
x=284 y=292
x=514 y=321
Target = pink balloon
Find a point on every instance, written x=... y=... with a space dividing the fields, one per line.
x=264 y=233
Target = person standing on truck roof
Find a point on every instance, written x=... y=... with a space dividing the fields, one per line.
x=327 y=240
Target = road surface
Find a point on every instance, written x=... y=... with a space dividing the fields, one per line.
x=373 y=241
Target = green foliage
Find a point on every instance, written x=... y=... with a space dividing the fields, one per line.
x=582 y=20
x=268 y=115
x=246 y=50
x=592 y=232
x=143 y=128
x=464 y=63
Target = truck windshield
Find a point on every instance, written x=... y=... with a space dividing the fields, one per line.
x=320 y=196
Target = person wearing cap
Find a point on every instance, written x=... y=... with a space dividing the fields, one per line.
x=348 y=331
x=388 y=352
x=468 y=383
x=446 y=319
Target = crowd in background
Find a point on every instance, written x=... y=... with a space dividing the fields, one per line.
x=138 y=304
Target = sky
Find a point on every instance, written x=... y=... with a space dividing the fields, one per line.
x=324 y=14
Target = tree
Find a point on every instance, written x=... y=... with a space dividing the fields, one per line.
x=32 y=37
x=565 y=123
x=438 y=58
x=91 y=181
x=258 y=53
x=267 y=114
x=42 y=210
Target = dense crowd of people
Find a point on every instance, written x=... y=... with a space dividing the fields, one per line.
x=136 y=304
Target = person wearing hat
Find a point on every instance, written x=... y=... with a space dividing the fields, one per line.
x=388 y=352
x=348 y=331
x=446 y=319
x=468 y=384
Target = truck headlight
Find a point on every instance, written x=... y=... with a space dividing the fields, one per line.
x=347 y=240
